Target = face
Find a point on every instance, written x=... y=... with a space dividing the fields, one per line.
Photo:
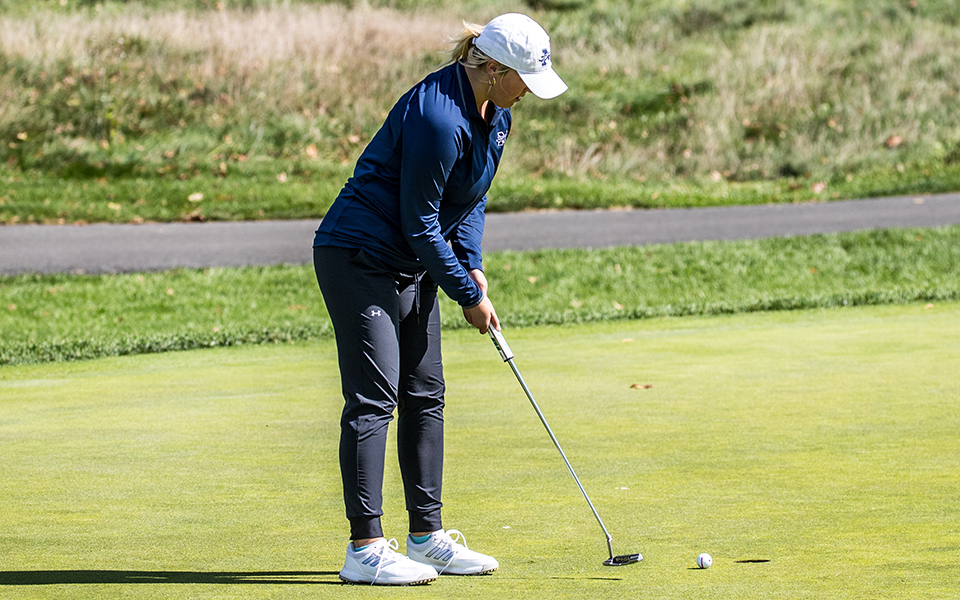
x=508 y=90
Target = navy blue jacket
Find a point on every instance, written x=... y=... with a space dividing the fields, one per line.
x=421 y=182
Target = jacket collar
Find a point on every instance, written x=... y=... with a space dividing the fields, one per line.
x=469 y=99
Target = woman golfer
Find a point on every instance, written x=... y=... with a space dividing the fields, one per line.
x=410 y=220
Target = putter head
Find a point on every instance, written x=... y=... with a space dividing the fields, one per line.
x=623 y=559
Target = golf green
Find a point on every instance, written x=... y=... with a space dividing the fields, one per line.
x=814 y=454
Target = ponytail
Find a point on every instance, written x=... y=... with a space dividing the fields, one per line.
x=468 y=55
x=464 y=51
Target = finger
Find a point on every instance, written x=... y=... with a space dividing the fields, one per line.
x=495 y=321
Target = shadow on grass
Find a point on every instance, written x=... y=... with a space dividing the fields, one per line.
x=80 y=577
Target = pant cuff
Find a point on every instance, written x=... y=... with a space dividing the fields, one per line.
x=426 y=521
x=362 y=528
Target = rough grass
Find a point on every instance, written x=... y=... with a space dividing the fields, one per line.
x=823 y=442
x=270 y=103
x=67 y=317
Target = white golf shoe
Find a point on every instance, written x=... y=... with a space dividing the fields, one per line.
x=449 y=557
x=380 y=564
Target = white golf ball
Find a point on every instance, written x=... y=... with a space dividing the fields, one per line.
x=704 y=560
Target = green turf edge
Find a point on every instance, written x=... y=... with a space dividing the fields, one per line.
x=70 y=350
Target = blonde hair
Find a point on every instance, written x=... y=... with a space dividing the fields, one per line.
x=467 y=54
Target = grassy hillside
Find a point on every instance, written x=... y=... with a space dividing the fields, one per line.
x=195 y=109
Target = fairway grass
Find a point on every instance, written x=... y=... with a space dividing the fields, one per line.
x=822 y=441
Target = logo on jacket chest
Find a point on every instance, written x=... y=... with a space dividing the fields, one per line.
x=501 y=138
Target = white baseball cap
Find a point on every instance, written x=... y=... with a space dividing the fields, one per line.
x=517 y=41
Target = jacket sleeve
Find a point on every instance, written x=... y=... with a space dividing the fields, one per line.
x=466 y=240
x=430 y=146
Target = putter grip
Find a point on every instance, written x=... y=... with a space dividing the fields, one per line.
x=501 y=344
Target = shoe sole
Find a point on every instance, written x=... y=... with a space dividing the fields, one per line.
x=441 y=569
x=486 y=572
x=346 y=580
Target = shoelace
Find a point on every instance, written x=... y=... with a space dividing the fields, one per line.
x=449 y=541
x=380 y=550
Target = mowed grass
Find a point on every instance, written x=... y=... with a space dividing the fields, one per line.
x=821 y=441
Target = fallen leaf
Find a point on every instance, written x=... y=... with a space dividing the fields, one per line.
x=928 y=307
x=282 y=177
x=195 y=197
x=11 y=307
x=641 y=386
x=626 y=340
x=114 y=206
x=893 y=141
x=312 y=151
x=818 y=187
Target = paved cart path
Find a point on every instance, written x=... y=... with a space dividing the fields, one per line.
x=151 y=247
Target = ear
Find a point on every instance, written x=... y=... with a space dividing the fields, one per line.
x=492 y=68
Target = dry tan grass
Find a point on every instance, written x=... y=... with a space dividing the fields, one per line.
x=287 y=55
x=322 y=35
x=812 y=98
x=780 y=94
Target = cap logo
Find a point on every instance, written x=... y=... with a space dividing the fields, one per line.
x=545 y=57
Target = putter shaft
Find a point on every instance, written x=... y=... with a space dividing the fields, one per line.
x=507 y=355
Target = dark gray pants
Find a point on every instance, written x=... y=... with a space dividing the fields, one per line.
x=387 y=326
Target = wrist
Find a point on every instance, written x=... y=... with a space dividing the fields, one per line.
x=483 y=296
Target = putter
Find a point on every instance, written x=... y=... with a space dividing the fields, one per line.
x=507 y=355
